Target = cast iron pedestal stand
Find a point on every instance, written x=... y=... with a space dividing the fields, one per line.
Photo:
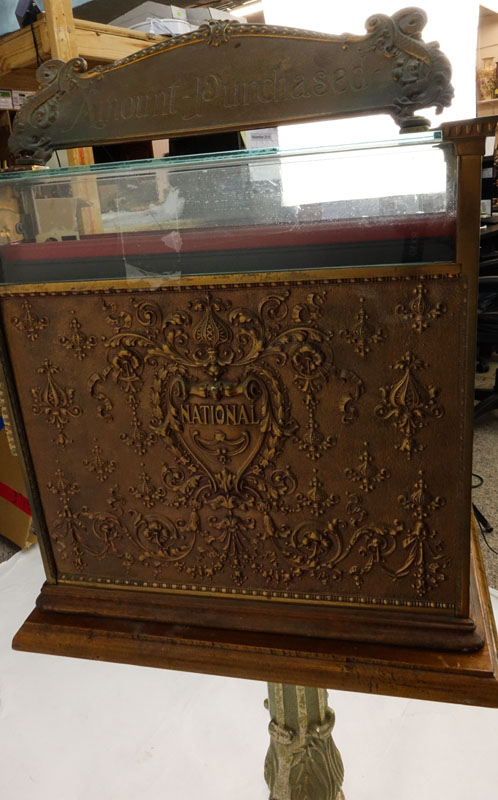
x=302 y=762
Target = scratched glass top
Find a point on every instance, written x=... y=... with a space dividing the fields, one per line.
x=368 y=204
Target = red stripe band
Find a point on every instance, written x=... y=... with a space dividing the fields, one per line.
x=16 y=498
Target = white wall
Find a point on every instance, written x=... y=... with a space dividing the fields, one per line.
x=488 y=37
x=454 y=25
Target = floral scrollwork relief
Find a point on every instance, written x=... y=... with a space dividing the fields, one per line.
x=420 y=311
x=100 y=466
x=218 y=401
x=139 y=438
x=330 y=550
x=78 y=342
x=363 y=334
x=409 y=404
x=316 y=500
x=312 y=442
x=222 y=394
x=54 y=402
x=30 y=323
x=425 y=559
x=374 y=544
x=104 y=403
x=217 y=32
x=355 y=509
x=77 y=532
x=367 y=475
x=68 y=525
x=146 y=492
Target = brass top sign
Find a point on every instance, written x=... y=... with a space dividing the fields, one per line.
x=206 y=81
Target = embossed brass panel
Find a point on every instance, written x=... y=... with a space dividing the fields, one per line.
x=267 y=453
x=259 y=440
x=206 y=80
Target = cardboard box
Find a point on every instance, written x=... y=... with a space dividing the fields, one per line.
x=15 y=514
x=175 y=13
x=149 y=9
x=198 y=16
x=216 y=13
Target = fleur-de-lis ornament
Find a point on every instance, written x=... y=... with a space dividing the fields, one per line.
x=146 y=492
x=367 y=475
x=316 y=500
x=54 y=402
x=408 y=403
x=30 y=324
x=78 y=342
x=420 y=311
x=100 y=466
x=211 y=333
x=363 y=334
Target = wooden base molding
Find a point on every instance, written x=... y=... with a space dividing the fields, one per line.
x=470 y=678
x=432 y=631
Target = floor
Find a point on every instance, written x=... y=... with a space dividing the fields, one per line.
x=7 y=549
x=485 y=465
x=89 y=729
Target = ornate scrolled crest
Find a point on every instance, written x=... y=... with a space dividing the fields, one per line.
x=206 y=80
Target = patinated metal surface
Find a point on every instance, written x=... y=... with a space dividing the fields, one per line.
x=299 y=440
x=302 y=760
x=206 y=81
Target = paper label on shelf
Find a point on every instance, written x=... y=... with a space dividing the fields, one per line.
x=18 y=98
x=5 y=98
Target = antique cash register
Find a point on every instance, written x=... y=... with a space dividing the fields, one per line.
x=242 y=384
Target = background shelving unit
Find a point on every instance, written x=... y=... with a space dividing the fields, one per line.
x=57 y=34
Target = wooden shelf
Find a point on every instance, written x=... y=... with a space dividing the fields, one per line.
x=486 y=107
x=95 y=42
x=59 y=35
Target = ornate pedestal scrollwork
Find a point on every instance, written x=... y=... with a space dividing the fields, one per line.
x=303 y=762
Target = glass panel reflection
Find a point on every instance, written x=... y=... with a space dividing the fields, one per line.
x=388 y=203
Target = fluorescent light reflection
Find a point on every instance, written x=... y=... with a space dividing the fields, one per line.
x=384 y=174
x=355 y=175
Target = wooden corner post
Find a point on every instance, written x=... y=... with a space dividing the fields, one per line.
x=64 y=46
